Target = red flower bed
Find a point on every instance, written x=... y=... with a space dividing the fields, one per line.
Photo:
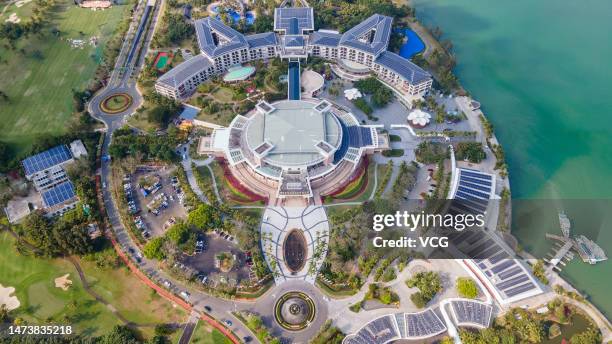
x=227 y=174
x=364 y=170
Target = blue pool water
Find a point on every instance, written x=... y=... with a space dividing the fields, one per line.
x=413 y=45
x=294 y=81
x=249 y=16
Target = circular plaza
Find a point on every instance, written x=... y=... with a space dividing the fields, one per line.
x=294 y=311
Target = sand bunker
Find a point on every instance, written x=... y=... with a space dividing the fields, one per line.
x=63 y=282
x=13 y=18
x=11 y=302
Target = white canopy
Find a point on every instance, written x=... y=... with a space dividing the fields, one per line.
x=419 y=117
x=352 y=94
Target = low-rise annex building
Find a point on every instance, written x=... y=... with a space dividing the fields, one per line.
x=357 y=53
x=46 y=171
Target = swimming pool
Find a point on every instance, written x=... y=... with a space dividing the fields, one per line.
x=413 y=45
x=238 y=73
x=249 y=15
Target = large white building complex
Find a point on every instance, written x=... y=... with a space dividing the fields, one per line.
x=356 y=53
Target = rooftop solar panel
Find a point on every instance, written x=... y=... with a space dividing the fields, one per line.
x=495 y=259
x=486 y=189
x=46 y=159
x=473 y=192
x=520 y=289
x=476 y=174
x=475 y=180
x=513 y=282
x=509 y=273
x=503 y=266
x=58 y=194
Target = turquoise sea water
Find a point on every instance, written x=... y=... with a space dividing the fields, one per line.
x=543 y=72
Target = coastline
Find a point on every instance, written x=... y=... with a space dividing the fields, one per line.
x=599 y=318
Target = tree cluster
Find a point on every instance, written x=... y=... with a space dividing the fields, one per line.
x=67 y=235
x=471 y=151
x=126 y=143
x=429 y=285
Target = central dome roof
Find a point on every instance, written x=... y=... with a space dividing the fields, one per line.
x=294 y=129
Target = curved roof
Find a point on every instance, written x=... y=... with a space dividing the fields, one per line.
x=371 y=35
x=185 y=70
x=293 y=129
x=226 y=40
x=408 y=70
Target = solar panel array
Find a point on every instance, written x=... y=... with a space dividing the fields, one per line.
x=205 y=28
x=359 y=136
x=474 y=191
x=424 y=324
x=58 y=194
x=471 y=312
x=378 y=25
x=295 y=20
x=261 y=39
x=503 y=271
x=325 y=38
x=46 y=159
x=402 y=66
x=378 y=331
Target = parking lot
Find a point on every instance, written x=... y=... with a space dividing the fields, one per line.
x=156 y=200
x=204 y=262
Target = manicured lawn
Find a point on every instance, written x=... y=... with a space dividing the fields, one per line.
x=395 y=138
x=33 y=280
x=205 y=334
x=39 y=82
x=223 y=95
x=24 y=12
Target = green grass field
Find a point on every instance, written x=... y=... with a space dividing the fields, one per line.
x=39 y=75
x=23 y=12
x=33 y=280
x=205 y=334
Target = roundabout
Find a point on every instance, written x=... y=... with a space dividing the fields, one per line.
x=116 y=103
x=294 y=311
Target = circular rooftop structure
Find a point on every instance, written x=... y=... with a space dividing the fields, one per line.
x=293 y=133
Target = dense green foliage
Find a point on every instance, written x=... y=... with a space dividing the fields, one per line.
x=343 y=15
x=381 y=95
x=466 y=287
x=174 y=31
x=205 y=217
x=328 y=334
x=363 y=105
x=126 y=143
x=471 y=151
x=66 y=235
x=154 y=249
x=161 y=114
x=430 y=152
x=429 y=285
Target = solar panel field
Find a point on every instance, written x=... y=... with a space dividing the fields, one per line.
x=38 y=76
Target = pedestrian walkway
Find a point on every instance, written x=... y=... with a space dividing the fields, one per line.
x=278 y=223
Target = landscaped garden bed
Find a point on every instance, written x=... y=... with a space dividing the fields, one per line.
x=116 y=103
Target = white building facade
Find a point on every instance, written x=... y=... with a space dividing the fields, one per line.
x=364 y=45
